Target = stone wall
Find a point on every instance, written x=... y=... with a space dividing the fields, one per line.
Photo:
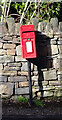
x=46 y=69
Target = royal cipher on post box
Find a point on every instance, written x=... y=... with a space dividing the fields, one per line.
x=28 y=45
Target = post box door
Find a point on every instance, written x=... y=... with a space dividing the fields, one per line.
x=28 y=44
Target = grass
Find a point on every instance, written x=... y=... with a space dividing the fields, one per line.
x=22 y=99
x=38 y=102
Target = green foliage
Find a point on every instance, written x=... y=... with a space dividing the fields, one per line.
x=22 y=99
x=45 y=10
x=38 y=102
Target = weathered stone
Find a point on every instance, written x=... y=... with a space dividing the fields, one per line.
x=10 y=51
x=39 y=94
x=7 y=38
x=60 y=49
x=54 y=49
x=35 y=73
x=60 y=64
x=17 y=79
x=25 y=67
x=14 y=64
x=59 y=42
x=16 y=40
x=6 y=58
x=18 y=50
x=16 y=85
x=3 y=52
x=7 y=68
x=6 y=89
x=1 y=44
x=11 y=73
x=44 y=83
x=47 y=93
x=54 y=23
x=48 y=28
x=41 y=26
x=59 y=87
x=54 y=82
x=3 y=79
x=35 y=21
x=23 y=84
x=1 y=66
x=9 y=46
x=19 y=58
x=60 y=26
x=17 y=27
x=35 y=68
x=20 y=91
x=11 y=25
x=49 y=75
x=53 y=41
x=35 y=78
x=55 y=63
x=58 y=93
x=3 y=29
x=36 y=83
x=47 y=87
x=59 y=77
x=23 y=73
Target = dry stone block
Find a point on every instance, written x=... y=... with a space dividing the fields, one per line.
x=23 y=84
x=7 y=38
x=60 y=49
x=35 y=78
x=21 y=91
x=24 y=73
x=18 y=50
x=3 y=52
x=48 y=88
x=16 y=85
x=60 y=77
x=11 y=25
x=17 y=27
x=47 y=94
x=15 y=64
x=9 y=46
x=49 y=75
x=54 y=49
x=17 y=79
x=44 y=83
x=58 y=93
x=3 y=79
x=35 y=21
x=1 y=66
x=6 y=59
x=19 y=59
x=25 y=66
x=1 y=44
x=48 y=28
x=6 y=89
x=7 y=68
x=60 y=26
x=10 y=51
x=55 y=63
x=11 y=73
x=54 y=83
x=3 y=29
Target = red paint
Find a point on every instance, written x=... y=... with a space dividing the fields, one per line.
x=28 y=45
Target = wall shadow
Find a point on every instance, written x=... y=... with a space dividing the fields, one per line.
x=42 y=61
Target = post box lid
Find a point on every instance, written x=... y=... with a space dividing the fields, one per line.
x=27 y=28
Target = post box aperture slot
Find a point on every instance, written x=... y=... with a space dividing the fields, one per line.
x=28 y=34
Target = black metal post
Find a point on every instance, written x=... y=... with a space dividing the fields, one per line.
x=30 y=82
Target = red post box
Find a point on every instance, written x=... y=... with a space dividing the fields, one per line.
x=28 y=46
